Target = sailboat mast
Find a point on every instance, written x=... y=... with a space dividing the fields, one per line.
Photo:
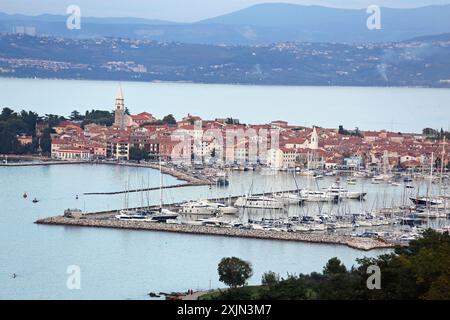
x=160 y=184
x=308 y=172
x=442 y=163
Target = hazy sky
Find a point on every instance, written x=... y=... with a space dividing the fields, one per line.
x=178 y=10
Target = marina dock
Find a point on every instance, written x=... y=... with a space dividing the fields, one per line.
x=106 y=219
x=365 y=244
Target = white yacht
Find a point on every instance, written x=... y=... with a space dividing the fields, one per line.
x=162 y=215
x=381 y=178
x=133 y=215
x=434 y=202
x=199 y=208
x=260 y=202
x=317 y=196
x=289 y=198
x=223 y=208
x=344 y=193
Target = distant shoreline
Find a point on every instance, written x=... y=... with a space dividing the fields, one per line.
x=2 y=76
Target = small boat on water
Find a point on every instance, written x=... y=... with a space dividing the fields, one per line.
x=35 y=200
x=381 y=178
x=25 y=195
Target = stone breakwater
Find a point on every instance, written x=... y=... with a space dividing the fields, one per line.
x=180 y=175
x=365 y=244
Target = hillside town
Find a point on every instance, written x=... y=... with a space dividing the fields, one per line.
x=277 y=144
x=409 y=63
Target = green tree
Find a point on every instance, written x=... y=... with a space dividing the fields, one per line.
x=138 y=154
x=333 y=267
x=234 y=272
x=169 y=119
x=270 y=279
x=7 y=114
x=53 y=120
x=46 y=141
x=429 y=132
x=76 y=116
x=30 y=119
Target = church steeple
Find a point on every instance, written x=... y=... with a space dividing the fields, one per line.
x=121 y=119
x=314 y=143
x=120 y=102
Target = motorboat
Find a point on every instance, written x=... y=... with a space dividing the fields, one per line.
x=381 y=178
x=318 y=196
x=289 y=198
x=429 y=201
x=199 y=208
x=162 y=215
x=343 y=193
x=222 y=208
x=133 y=215
x=260 y=202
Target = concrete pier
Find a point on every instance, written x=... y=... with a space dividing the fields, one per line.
x=364 y=244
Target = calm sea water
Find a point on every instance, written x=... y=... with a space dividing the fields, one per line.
x=398 y=109
x=120 y=264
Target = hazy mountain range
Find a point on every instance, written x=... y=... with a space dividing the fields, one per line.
x=259 y=24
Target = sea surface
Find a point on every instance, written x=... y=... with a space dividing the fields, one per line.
x=396 y=109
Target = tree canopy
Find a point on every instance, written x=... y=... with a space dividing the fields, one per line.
x=234 y=272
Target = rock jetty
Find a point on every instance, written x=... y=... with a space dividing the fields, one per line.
x=359 y=243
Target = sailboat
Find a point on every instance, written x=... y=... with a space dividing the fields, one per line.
x=315 y=195
x=429 y=201
x=162 y=214
x=290 y=198
x=159 y=215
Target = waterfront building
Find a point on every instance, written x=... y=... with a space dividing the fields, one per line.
x=118 y=148
x=73 y=154
x=354 y=162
